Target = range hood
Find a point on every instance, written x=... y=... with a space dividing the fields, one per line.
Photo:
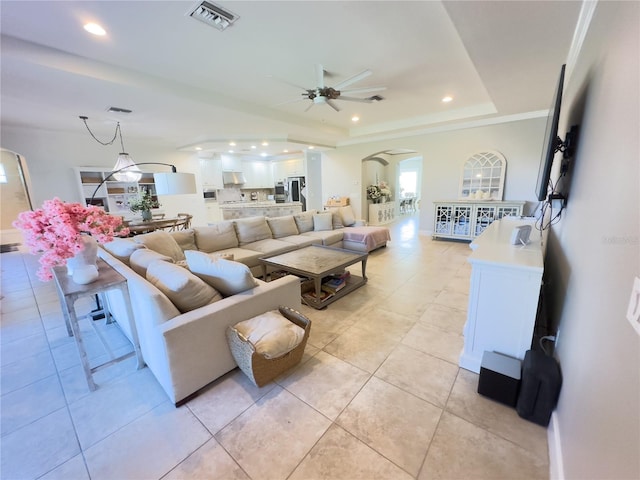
x=233 y=178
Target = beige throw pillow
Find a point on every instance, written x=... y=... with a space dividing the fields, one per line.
x=185 y=290
x=282 y=226
x=226 y=276
x=122 y=248
x=185 y=239
x=348 y=218
x=304 y=221
x=322 y=221
x=271 y=334
x=161 y=242
x=219 y=236
x=141 y=259
x=252 y=229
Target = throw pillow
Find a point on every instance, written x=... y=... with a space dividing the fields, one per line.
x=251 y=230
x=226 y=276
x=270 y=333
x=304 y=221
x=322 y=221
x=161 y=242
x=219 y=236
x=122 y=248
x=186 y=239
x=141 y=259
x=348 y=218
x=282 y=226
x=336 y=219
x=185 y=290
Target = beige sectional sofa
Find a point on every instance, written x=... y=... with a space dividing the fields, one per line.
x=181 y=317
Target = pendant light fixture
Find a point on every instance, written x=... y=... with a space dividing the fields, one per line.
x=127 y=169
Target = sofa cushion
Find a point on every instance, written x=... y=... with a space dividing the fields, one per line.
x=270 y=333
x=186 y=239
x=322 y=221
x=271 y=246
x=141 y=259
x=304 y=221
x=302 y=241
x=328 y=237
x=243 y=255
x=122 y=248
x=218 y=236
x=228 y=277
x=251 y=230
x=282 y=226
x=348 y=218
x=185 y=290
x=161 y=242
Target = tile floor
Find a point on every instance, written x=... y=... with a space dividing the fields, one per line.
x=378 y=394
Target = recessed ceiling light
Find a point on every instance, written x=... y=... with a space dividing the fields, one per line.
x=263 y=154
x=230 y=151
x=198 y=148
x=95 y=29
x=355 y=118
x=232 y=144
x=265 y=144
x=285 y=151
x=447 y=99
x=253 y=147
x=311 y=147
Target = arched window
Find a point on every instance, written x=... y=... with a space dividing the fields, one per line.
x=483 y=176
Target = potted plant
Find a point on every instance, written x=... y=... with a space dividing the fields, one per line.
x=144 y=205
x=61 y=231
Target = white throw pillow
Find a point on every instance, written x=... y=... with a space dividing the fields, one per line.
x=185 y=290
x=161 y=242
x=226 y=276
x=348 y=218
x=322 y=221
x=271 y=334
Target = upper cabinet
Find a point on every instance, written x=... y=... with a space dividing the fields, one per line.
x=231 y=163
x=293 y=167
x=211 y=172
x=257 y=173
x=483 y=176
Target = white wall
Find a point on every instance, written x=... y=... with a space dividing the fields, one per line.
x=594 y=254
x=443 y=156
x=51 y=156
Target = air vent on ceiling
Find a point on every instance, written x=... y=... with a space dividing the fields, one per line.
x=118 y=110
x=212 y=15
x=376 y=98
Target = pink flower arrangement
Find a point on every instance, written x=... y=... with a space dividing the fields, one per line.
x=55 y=230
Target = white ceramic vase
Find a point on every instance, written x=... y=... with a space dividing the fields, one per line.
x=82 y=267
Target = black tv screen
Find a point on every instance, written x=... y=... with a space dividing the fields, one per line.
x=551 y=141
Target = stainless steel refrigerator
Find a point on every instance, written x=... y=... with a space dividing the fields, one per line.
x=297 y=191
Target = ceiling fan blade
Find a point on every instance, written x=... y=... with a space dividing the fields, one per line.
x=294 y=100
x=319 y=76
x=354 y=99
x=354 y=79
x=332 y=105
x=364 y=90
x=309 y=107
x=287 y=82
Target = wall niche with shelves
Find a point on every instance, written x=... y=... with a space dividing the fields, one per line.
x=483 y=176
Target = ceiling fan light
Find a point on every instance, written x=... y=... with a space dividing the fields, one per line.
x=131 y=172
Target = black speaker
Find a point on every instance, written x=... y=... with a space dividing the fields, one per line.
x=540 y=387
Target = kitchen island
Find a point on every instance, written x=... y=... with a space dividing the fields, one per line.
x=231 y=211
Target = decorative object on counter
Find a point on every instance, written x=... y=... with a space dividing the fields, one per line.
x=379 y=192
x=144 y=205
x=58 y=231
x=337 y=201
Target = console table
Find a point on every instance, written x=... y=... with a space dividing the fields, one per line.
x=69 y=292
x=382 y=213
x=504 y=293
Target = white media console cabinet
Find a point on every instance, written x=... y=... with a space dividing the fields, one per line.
x=504 y=293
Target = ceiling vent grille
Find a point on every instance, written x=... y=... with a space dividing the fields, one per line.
x=212 y=15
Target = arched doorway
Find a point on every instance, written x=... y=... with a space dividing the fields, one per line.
x=14 y=196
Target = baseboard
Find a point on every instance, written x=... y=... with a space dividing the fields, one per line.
x=426 y=233
x=556 y=467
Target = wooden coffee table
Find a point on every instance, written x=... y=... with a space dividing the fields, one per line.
x=316 y=262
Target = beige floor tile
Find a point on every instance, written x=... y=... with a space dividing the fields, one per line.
x=467 y=403
x=270 y=438
x=463 y=450
x=73 y=469
x=393 y=422
x=363 y=348
x=39 y=447
x=209 y=461
x=445 y=318
x=326 y=383
x=453 y=299
x=148 y=447
x=25 y=371
x=225 y=399
x=436 y=342
x=339 y=455
x=426 y=376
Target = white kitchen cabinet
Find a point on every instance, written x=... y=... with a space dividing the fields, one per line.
x=292 y=167
x=382 y=213
x=466 y=220
x=504 y=293
x=231 y=163
x=214 y=213
x=257 y=173
x=211 y=173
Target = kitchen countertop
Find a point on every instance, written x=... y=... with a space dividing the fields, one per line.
x=270 y=203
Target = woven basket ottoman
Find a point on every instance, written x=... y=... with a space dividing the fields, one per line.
x=260 y=369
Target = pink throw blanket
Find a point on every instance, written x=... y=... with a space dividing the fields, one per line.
x=372 y=237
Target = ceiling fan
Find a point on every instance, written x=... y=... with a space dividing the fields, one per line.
x=323 y=94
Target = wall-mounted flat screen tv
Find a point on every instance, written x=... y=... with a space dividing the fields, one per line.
x=551 y=141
